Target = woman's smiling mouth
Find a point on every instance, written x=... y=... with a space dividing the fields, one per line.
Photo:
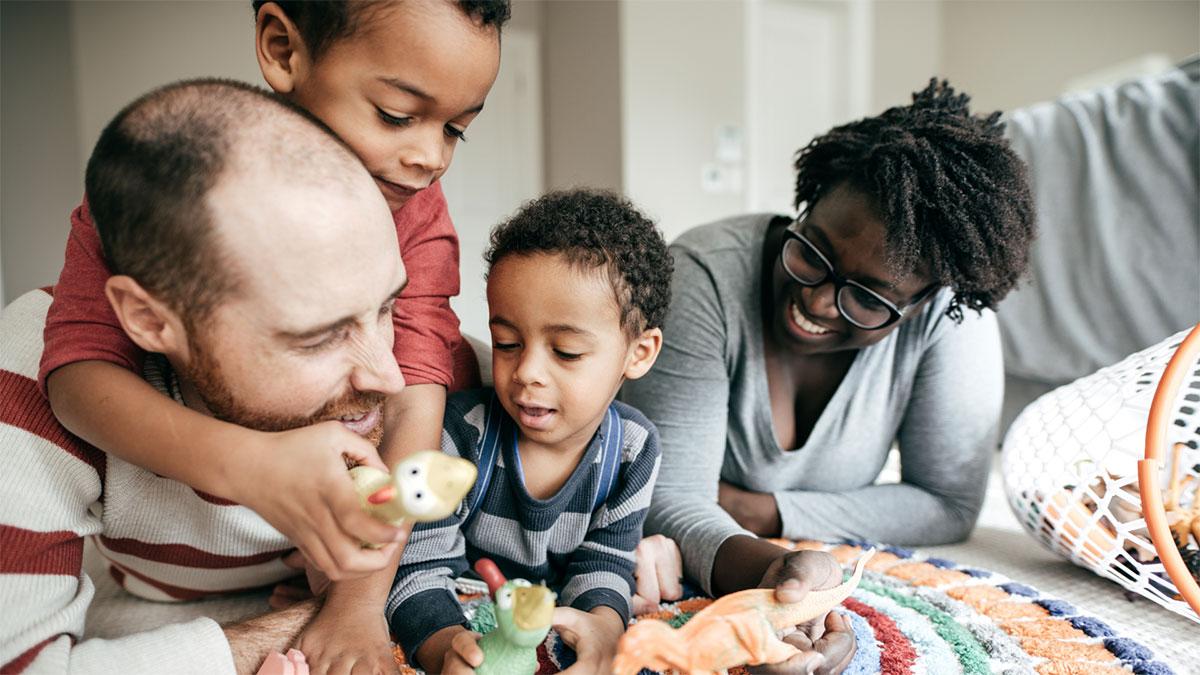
x=801 y=325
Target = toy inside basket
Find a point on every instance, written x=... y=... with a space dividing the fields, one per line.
x=1071 y=472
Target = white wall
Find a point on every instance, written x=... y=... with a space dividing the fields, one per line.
x=582 y=68
x=70 y=66
x=808 y=70
x=1012 y=53
x=907 y=50
x=681 y=77
x=40 y=166
x=123 y=49
x=634 y=90
x=67 y=69
x=502 y=164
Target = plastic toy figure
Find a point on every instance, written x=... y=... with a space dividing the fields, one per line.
x=523 y=616
x=739 y=629
x=425 y=486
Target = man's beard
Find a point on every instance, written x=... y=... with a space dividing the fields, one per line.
x=205 y=374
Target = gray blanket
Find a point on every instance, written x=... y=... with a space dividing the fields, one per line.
x=1117 y=264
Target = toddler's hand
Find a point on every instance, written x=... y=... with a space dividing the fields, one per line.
x=464 y=655
x=298 y=482
x=593 y=635
x=659 y=572
x=351 y=638
x=290 y=591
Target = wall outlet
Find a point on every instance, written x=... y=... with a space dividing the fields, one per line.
x=716 y=178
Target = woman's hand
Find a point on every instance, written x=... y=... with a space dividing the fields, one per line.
x=826 y=643
x=828 y=655
x=755 y=511
x=659 y=573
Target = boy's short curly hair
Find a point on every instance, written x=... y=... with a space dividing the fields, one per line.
x=952 y=193
x=323 y=22
x=596 y=229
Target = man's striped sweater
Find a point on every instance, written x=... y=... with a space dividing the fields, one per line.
x=162 y=540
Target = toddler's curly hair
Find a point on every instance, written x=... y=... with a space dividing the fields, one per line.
x=596 y=229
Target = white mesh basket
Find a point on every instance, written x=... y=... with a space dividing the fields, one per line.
x=1070 y=464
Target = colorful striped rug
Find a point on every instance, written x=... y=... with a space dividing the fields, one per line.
x=918 y=615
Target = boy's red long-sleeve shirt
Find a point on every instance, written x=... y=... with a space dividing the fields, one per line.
x=81 y=325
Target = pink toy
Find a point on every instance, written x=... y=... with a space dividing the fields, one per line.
x=292 y=663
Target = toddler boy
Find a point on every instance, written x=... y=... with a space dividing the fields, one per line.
x=577 y=288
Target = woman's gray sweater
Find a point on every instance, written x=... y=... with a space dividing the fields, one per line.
x=931 y=386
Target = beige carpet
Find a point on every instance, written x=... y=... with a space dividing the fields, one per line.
x=998 y=544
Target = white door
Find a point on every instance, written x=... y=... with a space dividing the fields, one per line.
x=807 y=70
x=498 y=168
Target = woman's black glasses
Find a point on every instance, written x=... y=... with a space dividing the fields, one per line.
x=860 y=305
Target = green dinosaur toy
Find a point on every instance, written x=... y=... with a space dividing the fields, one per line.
x=523 y=615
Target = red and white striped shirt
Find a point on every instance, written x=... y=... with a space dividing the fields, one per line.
x=161 y=539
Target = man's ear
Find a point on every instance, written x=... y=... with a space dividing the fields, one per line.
x=151 y=325
x=281 y=52
x=644 y=353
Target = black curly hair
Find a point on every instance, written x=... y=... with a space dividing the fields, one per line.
x=593 y=229
x=323 y=22
x=953 y=195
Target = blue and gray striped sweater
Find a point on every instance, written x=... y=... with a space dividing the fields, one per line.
x=586 y=556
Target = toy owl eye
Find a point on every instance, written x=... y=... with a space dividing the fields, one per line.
x=414 y=471
x=504 y=598
x=419 y=496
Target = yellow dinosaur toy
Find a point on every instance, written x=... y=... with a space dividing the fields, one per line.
x=425 y=486
x=740 y=629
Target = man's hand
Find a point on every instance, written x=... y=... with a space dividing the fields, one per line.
x=298 y=482
x=252 y=640
x=348 y=638
x=755 y=511
x=593 y=635
x=658 y=573
x=826 y=643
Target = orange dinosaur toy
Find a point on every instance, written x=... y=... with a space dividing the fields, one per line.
x=739 y=629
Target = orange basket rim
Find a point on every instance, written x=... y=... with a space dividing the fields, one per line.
x=1149 y=468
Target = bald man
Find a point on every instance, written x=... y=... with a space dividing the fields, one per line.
x=256 y=262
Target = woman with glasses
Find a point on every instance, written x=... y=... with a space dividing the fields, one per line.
x=798 y=351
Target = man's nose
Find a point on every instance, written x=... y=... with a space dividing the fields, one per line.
x=378 y=370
